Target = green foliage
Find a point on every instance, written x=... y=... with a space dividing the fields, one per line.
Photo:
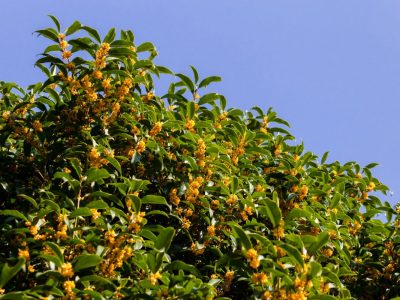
x=110 y=191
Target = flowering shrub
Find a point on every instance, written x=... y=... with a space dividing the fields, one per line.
x=111 y=191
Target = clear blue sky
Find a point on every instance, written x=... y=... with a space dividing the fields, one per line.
x=331 y=68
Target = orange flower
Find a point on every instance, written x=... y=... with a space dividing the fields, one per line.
x=156 y=129
x=66 y=54
x=66 y=270
x=154 y=278
x=24 y=253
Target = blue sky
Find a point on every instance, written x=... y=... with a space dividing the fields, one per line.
x=331 y=68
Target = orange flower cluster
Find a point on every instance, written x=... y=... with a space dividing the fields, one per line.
x=303 y=192
x=156 y=129
x=355 y=228
x=141 y=146
x=211 y=230
x=279 y=232
x=101 y=54
x=154 y=278
x=173 y=197
x=124 y=89
x=200 y=153
x=61 y=228
x=246 y=212
x=259 y=278
x=264 y=125
x=95 y=159
x=115 y=259
x=190 y=125
x=136 y=221
x=37 y=126
x=68 y=286
x=232 y=199
x=252 y=258
x=66 y=270
x=66 y=54
x=24 y=254
x=149 y=96
x=192 y=193
x=228 y=278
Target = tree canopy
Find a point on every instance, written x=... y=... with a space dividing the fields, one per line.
x=112 y=191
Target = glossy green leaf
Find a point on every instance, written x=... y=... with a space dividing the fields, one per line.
x=13 y=213
x=73 y=28
x=243 y=237
x=187 y=81
x=205 y=82
x=81 y=212
x=85 y=261
x=272 y=211
x=56 y=249
x=8 y=272
x=180 y=265
x=110 y=36
x=164 y=239
x=320 y=241
x=154 y=199
x=294 y=253
x=115 y=164
x=94 y=174
x=92 y=32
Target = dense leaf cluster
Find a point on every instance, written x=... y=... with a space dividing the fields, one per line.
x=110 y=191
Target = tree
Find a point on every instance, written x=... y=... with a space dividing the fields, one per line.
x=110 y=191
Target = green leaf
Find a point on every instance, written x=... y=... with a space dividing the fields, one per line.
x=157 y=212
x=56 y=249
x=115 y=164
x=55 y=22
x=73 y=28
x=164 y=239
x=324 y=157
x=208 y=80
x=85 y=261
x=180 y=265
x=81 y=212
x=154 y=199
x=121 y=52
x=92 y=32
x=320 y=241
x=187 y=81
x=315 y=269
x=243 y=238
x=16 y=296
x=110 y=36
x=209 y=98
x=272 y=211
x=294 y=253
x=49 y=33
x=94 y=174
x=97 y=204
x=164 y=70
x=146 y=46
x=190 y=106
x=8 y=272
x=322 y=297
x=195 y=74
x=51 y=258
x=76 y=165
x=47 y=289
x=136 y=202
x=29 y=199
x=98 y=279
x=92 y=294
x=14 y=213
